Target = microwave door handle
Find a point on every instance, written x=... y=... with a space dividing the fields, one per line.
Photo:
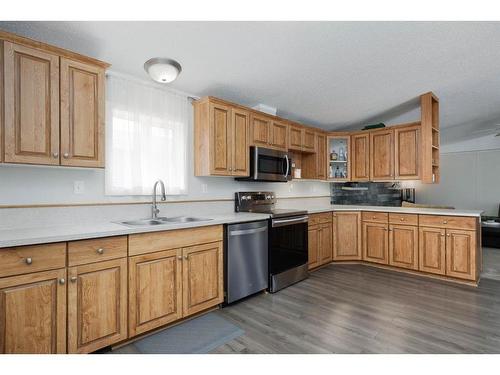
x=287 y=166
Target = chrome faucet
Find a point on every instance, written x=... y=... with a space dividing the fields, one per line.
x=154 y=209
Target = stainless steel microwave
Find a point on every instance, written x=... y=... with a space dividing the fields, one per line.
x=268 y=165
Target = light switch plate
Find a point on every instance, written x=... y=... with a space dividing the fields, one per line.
x=79 y=187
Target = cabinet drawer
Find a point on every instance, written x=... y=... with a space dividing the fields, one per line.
x=455 y=222
x=378 y=217
x=324 y=217
x=96 y=250
x=150 y=242
x=407 y=219
x=28 y=259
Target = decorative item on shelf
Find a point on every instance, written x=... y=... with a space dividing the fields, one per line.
x=342 y=155
x=331 y=171
x=374 y=126
x=337 y=173
x=333 y=156
x=344 y=174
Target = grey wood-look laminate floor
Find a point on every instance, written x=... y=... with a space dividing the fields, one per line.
x=360 y=309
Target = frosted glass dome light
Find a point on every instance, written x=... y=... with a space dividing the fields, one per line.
x=162 y=70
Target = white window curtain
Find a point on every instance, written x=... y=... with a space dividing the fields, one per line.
x=146 y=137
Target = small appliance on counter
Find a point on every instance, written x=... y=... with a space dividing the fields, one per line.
x=408 y=195
x=288 y=243
x=490 y=230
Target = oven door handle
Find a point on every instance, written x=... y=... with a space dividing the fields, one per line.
x=291 y=221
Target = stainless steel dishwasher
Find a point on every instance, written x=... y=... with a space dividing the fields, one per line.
x=246 y=259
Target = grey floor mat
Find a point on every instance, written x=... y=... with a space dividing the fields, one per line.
x=196 y=336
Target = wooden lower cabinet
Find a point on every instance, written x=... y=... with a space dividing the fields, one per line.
x=202 y=273
x=432 y=250
x=375 y=243
x=460 y=254
x=346 y=235
x=313 y=246
x=97 y=305
x=155 y=290
x=403 y=246
x=33 y=313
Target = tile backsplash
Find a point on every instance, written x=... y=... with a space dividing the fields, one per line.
x=366 y=193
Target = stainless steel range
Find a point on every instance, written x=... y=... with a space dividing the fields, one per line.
x=288 y=253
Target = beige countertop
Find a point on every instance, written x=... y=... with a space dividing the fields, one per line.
x=71 y=232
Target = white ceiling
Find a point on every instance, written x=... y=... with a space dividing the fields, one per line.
x=330 y=74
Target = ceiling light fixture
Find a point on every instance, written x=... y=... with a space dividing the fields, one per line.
x=162 y=70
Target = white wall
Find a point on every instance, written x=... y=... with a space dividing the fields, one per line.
x=469 y=180
x=41 y=185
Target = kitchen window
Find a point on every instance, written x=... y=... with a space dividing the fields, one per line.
x=146 y=137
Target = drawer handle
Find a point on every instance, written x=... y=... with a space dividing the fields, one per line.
x=73 y=279
x=28 y=261
x=445 y=222
x=402 y=219
x=100 y=251
x=179 y=257
x=62 y=281
x=374 y=217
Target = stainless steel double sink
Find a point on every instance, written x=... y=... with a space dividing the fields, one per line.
x=163 y=221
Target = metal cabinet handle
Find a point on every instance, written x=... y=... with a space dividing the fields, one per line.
x=100 y=251
x=62 y=281
x=445 y=222
x=66 y=155
x=448 y=235
x=402 y=219
x=55 y=154
x=442 y=235
x=28 y=261
x=179 y=257
x=186 y=257
x=73 y=279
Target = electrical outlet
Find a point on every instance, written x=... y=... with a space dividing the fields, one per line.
x=78 y=187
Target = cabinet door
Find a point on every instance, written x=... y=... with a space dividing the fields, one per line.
x=220 y=139
x=279 y=135
x=321 y=157
x=431 y=248
x=260 y=130
x=313 y=247
x=97 y=305
x=309 y=140
x=202 y=285
x=33 y=313
x=295 y=138
x=360 y=154
x=460 y=254
x=403 y=246
x=155 y=290
x=31 y=105
x=82 y=114
x=239 y=140
x=325 y=243
x=347 y=236
x=375 y=243
x=382 y=155
x=407 y=146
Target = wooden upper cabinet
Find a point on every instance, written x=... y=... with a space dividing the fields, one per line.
x=461 y=254
x=33 y=313
x=155 y=290
x=202 y=273
x=321 y=159
x=346 y=235
x=240 y=145
x=295 y=137
x=432 y=250
x=360 y=157
x=309 y=140
x=375 y=242
x=382 y=155
x=403 y=246
x=260 y=130
x=407 y=153
x=31 y=110
x=221 y=139
x=279 y=135
x=97 y=305
x=82 y=114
